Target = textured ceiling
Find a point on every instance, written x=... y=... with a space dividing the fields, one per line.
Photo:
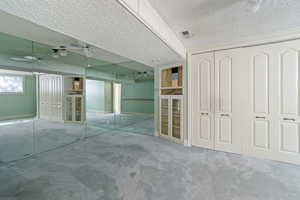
x=214 y=23
x=103 y=23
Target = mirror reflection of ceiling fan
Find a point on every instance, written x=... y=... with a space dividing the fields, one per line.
x=57 y=52
x=64 y=49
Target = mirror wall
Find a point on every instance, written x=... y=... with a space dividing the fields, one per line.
x=17 y=99
x=42 y=94
x=122 y=100
x=60 y=118
x=54 y=96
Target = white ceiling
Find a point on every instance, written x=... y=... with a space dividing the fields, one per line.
x=106 y=24
x=215 y=23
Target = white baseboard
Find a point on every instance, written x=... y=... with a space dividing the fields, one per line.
x=98 y=112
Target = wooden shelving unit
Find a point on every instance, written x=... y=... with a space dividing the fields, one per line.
x=171 y=103
x=171 y=81
x=74 y=94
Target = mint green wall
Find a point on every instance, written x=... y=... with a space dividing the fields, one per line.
x=19 y=105
x=95 y=96
x=109 y=97
x=138 y=90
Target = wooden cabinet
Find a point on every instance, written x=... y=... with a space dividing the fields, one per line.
x=171 y=118
x=171 y=103
x=74 y=108
x=74 y=93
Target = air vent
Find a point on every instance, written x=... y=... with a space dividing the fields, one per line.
x=186 y=34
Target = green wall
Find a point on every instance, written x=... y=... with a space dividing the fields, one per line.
x=140 y=90
x=95 y=96
x=99 y=96
x=13 y=106
x=109 y=97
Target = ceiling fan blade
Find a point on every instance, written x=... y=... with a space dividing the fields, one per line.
x=21 y=59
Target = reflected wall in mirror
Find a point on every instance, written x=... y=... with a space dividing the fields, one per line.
x=17 y=98
x=119 y=97
x=53 y=95
x=61 y=92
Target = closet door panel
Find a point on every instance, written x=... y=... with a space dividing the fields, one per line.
x=224 y=131
x=202 y=125
x=261 y=134
x=205 y=130
x=261 y=83
x=205 y=80
x=289 y=137
x=229 y=94
x=224 y=87
x=289 y=72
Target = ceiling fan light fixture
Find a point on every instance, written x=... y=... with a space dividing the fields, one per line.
x=33 y=58
x=63 y=53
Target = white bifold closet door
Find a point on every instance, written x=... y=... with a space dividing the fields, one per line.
x=228 y=96
x=274 y=117
x=255 y=98
x=51 y=95
x=287 y=118
x=260 y=85
x=202 y=90
x=215 y=97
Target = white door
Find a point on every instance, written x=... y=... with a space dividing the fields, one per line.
x=201 y=75
x=51 y=94
x=259 y=66
x=229 y=94
x=287 y=139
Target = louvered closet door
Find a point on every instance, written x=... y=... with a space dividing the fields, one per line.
x=287 y=118
x=229 y=94
x=201 y=98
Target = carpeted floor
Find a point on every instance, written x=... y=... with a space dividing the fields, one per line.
x=125 y=166
x=120 y=161
x=22 y=138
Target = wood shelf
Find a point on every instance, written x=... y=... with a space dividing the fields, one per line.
x=170 y=88
x=171 y=81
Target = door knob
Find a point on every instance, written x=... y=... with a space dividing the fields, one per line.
x=289 y=119
x=204 y=113
x=225 y=115
x=258 y=117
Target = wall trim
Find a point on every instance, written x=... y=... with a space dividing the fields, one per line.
x=18 y=116
x=135 y=113
x=98 y=111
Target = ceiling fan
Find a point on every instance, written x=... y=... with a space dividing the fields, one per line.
x=62 y=50
x=59 y=51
